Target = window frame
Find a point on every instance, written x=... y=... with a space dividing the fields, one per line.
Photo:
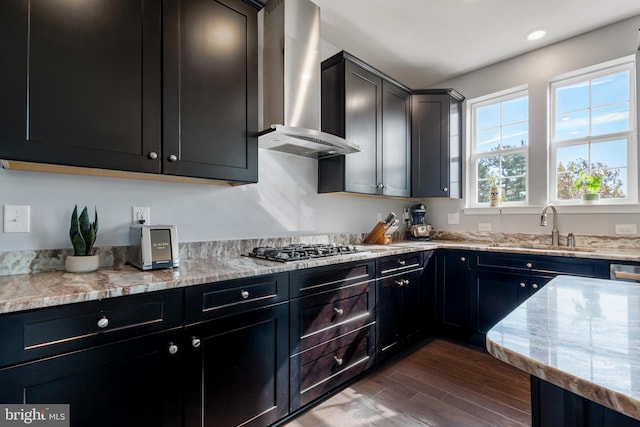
x=626 y=63
x=473 y=157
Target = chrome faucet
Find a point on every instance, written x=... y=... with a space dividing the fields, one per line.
x=555 y=241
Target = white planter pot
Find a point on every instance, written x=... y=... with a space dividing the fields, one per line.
x=82 y=264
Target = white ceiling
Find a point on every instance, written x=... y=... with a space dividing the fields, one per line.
x=423 y=42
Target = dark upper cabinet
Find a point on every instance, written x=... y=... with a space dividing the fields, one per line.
x=436 y=152
x=366 y=107
x=210 y=87
x=83 y=88
x=131 y=85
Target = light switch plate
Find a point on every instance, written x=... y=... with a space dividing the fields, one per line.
x=626 y=228
x=484 y=226
x=17 y=219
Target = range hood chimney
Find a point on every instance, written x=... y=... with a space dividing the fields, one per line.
x=289 y=82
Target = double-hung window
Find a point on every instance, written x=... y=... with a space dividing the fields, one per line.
x=592 y=134
x=499 y=141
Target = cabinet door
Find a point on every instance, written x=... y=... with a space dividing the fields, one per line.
x=436 y=146
x=133 y=383
x=493 y=295
x=412 y=307
x=83 y=88
x=237 y=373
x=210 y=116
x=452 y=293
x=388 y=317
x=396 y=141
x=363 y=126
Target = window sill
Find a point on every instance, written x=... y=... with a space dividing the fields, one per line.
x=569 y=209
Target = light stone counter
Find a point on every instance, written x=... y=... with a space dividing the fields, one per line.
x=205 y=262
x=580 y=334
x=29 y=291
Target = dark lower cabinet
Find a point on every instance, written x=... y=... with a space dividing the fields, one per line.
x=236 y=369
x=494 y=294
x=553 y=406
x=452 y=293
x=400 y=303
x=131 y=383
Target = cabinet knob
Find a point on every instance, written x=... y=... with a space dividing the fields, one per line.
x=173 y=158
x=386 y=186
x=103 y=322
x=401 y=262
x=173 y=348
x=400 y=282
x=529 y=265
x=338 y=360
x=244 y=294
x=338 y=311
x=195 y=342
x=153 y=155
x=463 y=259
x=406 y=282
x=379 y=186
x=445 y=189
x=523 y=285
x=534 y=286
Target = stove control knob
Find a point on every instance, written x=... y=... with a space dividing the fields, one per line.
x=244 y=294
x=173 y=349
x=195 y=342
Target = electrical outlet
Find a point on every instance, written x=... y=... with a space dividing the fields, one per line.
x=141 y=214
x=484 y=226
x=454 y=218
x=626 y=228
x=17 y=219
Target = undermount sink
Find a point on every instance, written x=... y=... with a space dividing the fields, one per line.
x=541 y=246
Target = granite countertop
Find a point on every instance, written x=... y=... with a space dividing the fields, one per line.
x=580 y=334
x=224 y=262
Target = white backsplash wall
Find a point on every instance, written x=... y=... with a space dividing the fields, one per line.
x=285 y=202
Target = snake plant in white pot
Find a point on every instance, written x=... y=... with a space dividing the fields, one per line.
x=83 y=235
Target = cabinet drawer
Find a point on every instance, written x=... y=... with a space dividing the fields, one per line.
x=545 y=264
x=329 y=315
x=41 y=333
x=325 y=367
x=398 y=263
x=321 y=279
x=234 y=296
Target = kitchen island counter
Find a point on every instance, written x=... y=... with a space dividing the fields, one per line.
x=580 y=334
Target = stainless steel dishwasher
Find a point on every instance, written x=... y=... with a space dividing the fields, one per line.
x=628 y=273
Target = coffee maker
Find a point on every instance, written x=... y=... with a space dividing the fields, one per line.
x=414 y=217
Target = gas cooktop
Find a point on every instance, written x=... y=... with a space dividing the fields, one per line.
x=300 y=252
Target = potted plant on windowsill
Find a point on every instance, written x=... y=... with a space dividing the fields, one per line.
x=589 y=184
x=83 y=235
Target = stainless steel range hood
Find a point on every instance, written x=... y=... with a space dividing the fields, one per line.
x=289 y=82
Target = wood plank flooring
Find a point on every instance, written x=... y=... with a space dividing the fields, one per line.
x=441 y=384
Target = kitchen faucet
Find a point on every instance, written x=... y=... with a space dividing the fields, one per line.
x=543 y=222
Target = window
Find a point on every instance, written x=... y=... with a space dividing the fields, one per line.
x=499 y=143
x=592 y=140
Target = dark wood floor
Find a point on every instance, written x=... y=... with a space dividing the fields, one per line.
x=441 y=384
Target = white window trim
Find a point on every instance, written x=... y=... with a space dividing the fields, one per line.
x=593 y=72
x=471 y=175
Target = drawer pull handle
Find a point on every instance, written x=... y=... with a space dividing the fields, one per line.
x=338 y=360
x=338 y=311
x=529 y=265
x=401 y=262
x=534 y=286
x=523 y=285
x=103 y=322
x=244 y=294
x=195 y=342
x=173 y=349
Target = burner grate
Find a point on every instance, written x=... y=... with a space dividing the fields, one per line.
x=300 y=252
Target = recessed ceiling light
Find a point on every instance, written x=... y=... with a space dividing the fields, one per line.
x=536 y=34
